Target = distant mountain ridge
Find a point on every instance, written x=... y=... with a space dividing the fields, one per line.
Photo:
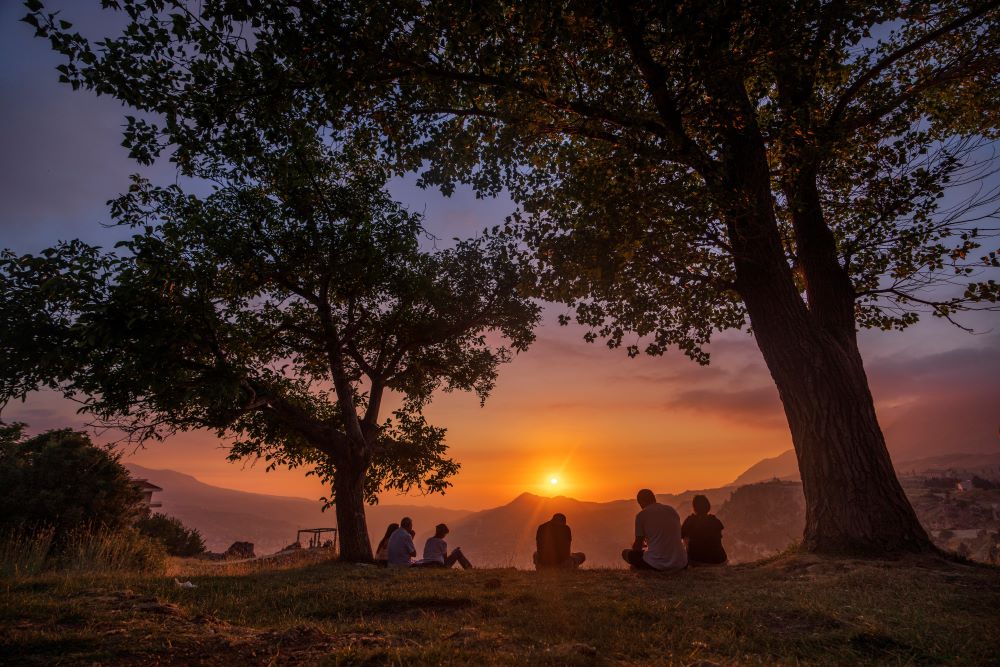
x=224 y=516
x=784 y=466
x=759 y=511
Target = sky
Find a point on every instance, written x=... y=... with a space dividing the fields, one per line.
x=598 y=423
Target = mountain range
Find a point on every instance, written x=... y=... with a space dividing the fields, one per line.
x=763 y=511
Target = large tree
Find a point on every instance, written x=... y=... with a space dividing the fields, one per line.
x=681 y=167
x=280 y=311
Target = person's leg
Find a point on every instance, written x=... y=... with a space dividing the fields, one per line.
x=578 y=558
x=458 y=556
x=634 y=558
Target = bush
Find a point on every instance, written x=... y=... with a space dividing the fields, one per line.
x=61 y=480
x=102 y=551
x=177 y=539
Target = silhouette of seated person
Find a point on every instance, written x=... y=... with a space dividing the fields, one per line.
x=702 y=532
x=382 y=551
x=657 y=543
x=552 y=541
x=436 y=552
x=401 y=551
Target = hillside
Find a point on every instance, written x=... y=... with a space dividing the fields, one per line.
x=224 y=516
x=797 y=610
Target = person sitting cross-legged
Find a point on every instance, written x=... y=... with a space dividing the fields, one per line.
x=552 y=541
x=702 y=532
x=436 y=552
x=658 y=528
x=401 y=550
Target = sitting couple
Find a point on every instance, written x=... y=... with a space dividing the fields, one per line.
x=658 y=528
x=397 y=550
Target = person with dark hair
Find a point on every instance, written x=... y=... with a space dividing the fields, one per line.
x=400 y=546
x=382 y=551
x=436 y=552
x=552 y=541
x=658 y=529
x=702 y=532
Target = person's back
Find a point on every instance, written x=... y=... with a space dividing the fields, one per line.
x=435 y=550
x=552 y=541
x=401 y=549
x=660 y=525
x=703 y=533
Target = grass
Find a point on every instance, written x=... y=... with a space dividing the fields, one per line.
x=792 y=610
x=92 y=550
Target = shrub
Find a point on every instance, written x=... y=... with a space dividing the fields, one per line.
x=61 y=480
x=172 y=534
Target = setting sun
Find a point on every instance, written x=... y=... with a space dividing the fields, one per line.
x=554 y=481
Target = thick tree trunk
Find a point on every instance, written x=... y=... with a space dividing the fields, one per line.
x=349 y=484
x=854 y=502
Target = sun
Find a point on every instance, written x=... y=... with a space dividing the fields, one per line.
x=553 y=481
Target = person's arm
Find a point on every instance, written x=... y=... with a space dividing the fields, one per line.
x=411 y=547
x=686 y=530
x=640 y=537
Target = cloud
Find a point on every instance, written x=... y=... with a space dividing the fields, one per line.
x=758 y=405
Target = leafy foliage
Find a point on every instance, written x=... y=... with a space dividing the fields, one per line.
x=59 y=480
x=176 y=538
x=615 y=126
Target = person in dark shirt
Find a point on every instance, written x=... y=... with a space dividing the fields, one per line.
x=553 y=540
x=702 y=533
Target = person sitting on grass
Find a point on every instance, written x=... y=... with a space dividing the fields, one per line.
x=436 y=552
x=552 y=541
x=702 y=532
x=401 y=549
x=658 y=528
x=382 y=552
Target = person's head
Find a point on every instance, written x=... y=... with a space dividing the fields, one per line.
x=388 y=533
x=645 y=497
x=406 y=523
x=559 y=517
x=440 y=530
x=700 y=504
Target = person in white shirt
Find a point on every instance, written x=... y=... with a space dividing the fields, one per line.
x=436 y=552
x=401 y=549
x=658 y=528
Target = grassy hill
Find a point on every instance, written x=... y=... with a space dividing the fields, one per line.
x=790 y=610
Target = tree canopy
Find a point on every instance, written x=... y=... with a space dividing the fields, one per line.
x=610 y=125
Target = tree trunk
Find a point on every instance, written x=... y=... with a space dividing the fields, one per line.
x=854 y=502
x=352 y=527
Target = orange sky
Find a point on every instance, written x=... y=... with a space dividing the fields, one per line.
x=594 y=419
x=605 y=425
